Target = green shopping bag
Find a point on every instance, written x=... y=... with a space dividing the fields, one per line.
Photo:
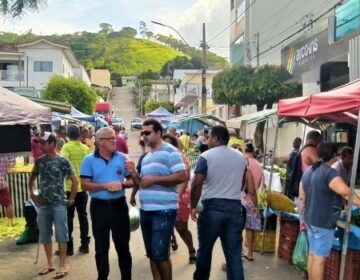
x=301 y=251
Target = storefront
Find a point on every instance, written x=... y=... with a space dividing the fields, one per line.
x=314 y=62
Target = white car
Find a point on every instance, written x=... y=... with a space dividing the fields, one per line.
x=117 y=121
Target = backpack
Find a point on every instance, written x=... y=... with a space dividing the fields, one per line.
x=295 y=178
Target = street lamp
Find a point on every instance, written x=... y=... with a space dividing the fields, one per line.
x=172 y=28
x=203 y=74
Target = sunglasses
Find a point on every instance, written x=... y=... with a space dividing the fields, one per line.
x=146 y=133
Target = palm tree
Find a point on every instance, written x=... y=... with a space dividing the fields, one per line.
x=16 y=8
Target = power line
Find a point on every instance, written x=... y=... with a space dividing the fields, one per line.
x=243 y=13
x=295 y=24
x=300 y=30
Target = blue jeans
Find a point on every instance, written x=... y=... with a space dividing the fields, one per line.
x=157 y=227
x=220 y=218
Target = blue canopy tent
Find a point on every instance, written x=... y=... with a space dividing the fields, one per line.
x=195 y=123
x=94 y=119
x=160 y=112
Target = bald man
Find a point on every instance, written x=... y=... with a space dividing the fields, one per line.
x=103 y=176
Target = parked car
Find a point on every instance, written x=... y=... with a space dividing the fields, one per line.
x=117 y=121
x=136 y=123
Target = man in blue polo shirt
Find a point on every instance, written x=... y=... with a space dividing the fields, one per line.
x=162 y=169
x=102 y=175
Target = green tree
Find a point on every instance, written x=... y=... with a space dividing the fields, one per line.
x=16 y=8
x=73 y=91
x=153 y=105
x=128 y=32
x=149 y=75
x=245 y=85
x=106 y=28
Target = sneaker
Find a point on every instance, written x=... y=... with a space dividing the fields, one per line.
x=84 y=249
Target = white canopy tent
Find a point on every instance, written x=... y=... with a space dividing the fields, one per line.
x=18 y=110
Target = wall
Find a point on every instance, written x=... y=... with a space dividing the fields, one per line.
x=275 y=21
x=41 y=52
x=100 y=77
x=82 y=74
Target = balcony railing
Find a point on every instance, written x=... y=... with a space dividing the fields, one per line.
x=11 y=75
x=190 y=92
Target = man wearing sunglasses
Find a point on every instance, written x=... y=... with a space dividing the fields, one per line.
x=162 y=169
x=102 y=175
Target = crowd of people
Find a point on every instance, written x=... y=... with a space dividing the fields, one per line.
x=221 y=197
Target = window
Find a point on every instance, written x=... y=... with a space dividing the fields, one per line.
x=237 y=51
x=347 y=18
x=43 y=66
x=240 y=11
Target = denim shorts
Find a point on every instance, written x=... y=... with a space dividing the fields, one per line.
x=320 y=240
x=49 y=215
x=157 y=227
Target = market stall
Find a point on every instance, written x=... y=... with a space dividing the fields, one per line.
x=341 y=105
x=17 y=113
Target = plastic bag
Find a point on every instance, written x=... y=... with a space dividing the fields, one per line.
x=134 y=218
x=301 y=251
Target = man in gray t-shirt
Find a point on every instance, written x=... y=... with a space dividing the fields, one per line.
x=218 y=180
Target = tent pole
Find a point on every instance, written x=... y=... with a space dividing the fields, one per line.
x=348 y=211
x=266 y=140
x=270 y=182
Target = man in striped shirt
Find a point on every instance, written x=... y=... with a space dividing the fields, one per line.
x=162 y=169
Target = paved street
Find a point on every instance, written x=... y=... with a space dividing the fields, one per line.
x=16 y=262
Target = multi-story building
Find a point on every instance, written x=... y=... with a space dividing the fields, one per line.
x=162 y=90
x=101 y=78
x=26 y=68
x=188 y=84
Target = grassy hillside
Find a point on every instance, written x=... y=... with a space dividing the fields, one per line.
x=120 y=51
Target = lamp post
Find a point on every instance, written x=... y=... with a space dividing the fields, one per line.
x=172 y=28
x=203 y=72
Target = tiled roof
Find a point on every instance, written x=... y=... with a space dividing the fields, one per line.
x=8 y=47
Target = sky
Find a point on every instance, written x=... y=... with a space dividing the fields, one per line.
x=186 y=16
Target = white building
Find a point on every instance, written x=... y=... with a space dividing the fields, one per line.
x=28 y=67
x=188 y=93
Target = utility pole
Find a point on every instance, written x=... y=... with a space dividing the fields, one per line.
x=257 y=36
x=141 y=101
x=203 y=76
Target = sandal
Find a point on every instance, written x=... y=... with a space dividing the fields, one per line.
x=248 y=258
x=60 y=274
x=174 y=245
x=46 y=270
x=192 y=257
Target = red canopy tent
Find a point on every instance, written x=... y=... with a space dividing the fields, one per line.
x=339 y=105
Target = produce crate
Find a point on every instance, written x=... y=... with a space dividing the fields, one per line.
x=289 y=228
x=269 y=241
x=286 y=249
x=289 y=231
x=352 y=265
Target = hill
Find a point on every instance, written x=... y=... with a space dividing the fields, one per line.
x=119 y=51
